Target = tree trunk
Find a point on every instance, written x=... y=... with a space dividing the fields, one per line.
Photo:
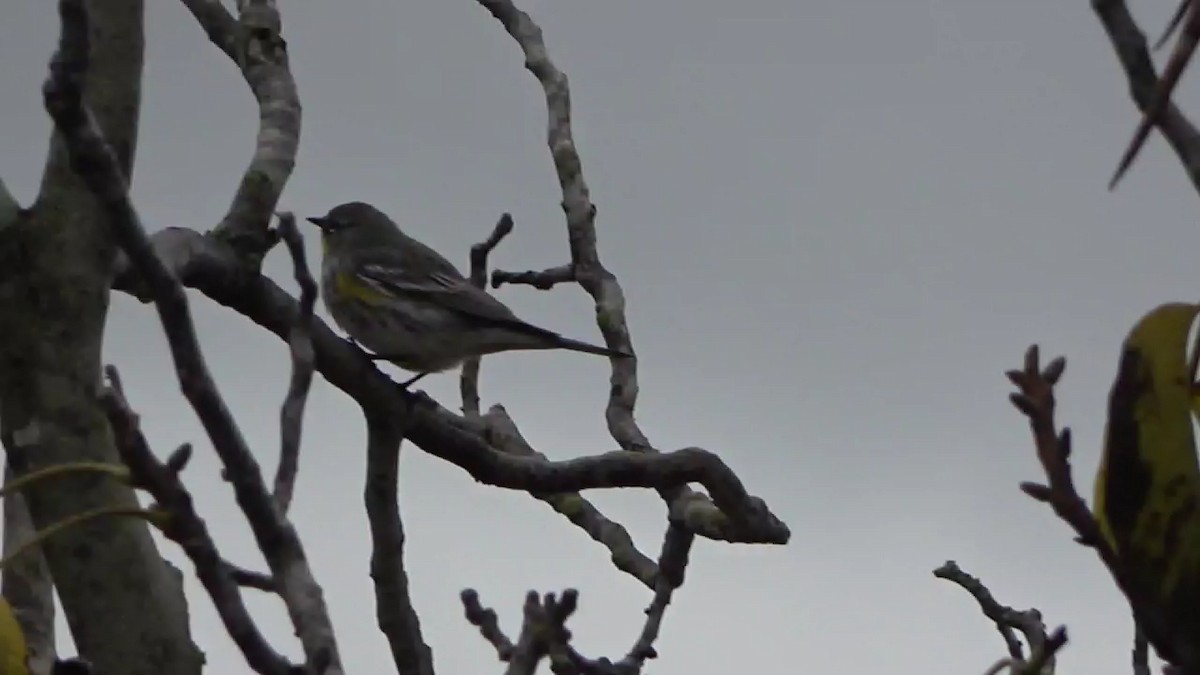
x=124 y=605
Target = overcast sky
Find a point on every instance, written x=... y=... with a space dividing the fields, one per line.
x=836 y=224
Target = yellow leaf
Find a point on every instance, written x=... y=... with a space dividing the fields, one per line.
x=13 y=654
x=1148 y=485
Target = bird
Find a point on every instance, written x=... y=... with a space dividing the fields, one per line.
x=402 y=300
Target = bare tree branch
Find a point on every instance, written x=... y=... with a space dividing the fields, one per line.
x=469 y=376
x=543 y=280
x=96 y=164
x=502 y=433
x=209 y=266
x=218 y=24
x=255 y=44
x=1151 y=96
x=544 y=633
x=1042 y=645
x=1172 y=25
x=251 y=579
x=487 y=622
x=1005 y=618
x=291 y=415
x=673 y=560
x=394 y=610
x=1036 y=401
x=27 y=585
x=585 y=266
x=185 y=527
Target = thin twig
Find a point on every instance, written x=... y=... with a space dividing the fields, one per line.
x=1176 y=19
x=250 y=579
x=1004 y=617
x=1152 y=95
x=542 y=280
x=469 y=376
x=1042 y=661
x=291 y=415
x=485 y=619
x=394 y=611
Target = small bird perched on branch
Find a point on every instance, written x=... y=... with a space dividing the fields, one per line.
x=402 y=300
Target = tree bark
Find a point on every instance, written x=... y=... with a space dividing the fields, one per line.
x=124 y=605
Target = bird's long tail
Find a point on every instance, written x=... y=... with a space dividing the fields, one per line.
x=578 y=346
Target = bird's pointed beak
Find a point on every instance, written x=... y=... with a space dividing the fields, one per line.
x=321 y=222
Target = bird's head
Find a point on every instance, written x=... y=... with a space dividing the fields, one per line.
x=356 y=222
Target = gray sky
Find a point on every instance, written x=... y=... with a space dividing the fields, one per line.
x=836 y=223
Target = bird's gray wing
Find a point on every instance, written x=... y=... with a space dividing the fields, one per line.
x=449 y=291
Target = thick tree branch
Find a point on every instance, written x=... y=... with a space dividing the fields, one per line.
x=211 y=267
x=585 y=266
x=291 y=415
x=1006 y=618
x=96 y=164
x=185 y=527
x=1130 y=45
x=394 y=609
x=126 y=609
x=255 y=44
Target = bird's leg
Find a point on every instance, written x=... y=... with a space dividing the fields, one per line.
x=412 y=380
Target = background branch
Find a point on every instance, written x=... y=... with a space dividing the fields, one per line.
x=1042 y=645
x=291 y=415
x=1130 y=45
x=469 y=376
